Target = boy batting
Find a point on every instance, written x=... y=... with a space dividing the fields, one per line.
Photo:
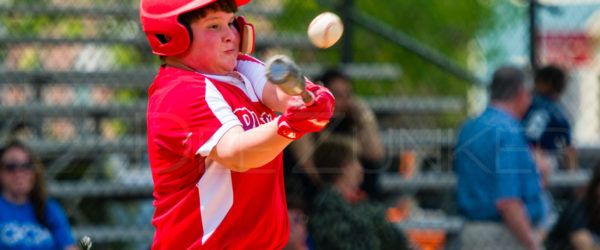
x=214 y=140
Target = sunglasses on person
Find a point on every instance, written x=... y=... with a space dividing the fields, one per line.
x=13 y=166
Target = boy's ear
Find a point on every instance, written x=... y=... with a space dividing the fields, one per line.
x=246 y=31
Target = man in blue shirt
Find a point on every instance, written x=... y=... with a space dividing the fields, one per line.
x=498 y=184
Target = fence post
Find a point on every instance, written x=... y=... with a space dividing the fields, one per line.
x=346 y=11
x=532 y=34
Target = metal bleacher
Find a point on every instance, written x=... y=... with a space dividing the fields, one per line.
x=394 y=183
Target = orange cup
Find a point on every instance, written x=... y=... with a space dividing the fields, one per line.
x=427 y=239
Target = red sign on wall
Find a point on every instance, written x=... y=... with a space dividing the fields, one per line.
x=566 y=49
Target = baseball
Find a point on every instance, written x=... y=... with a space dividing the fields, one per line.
x=325 y=30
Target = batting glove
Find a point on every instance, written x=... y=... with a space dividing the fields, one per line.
x=300 y=119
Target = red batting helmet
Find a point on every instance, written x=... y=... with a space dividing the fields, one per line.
x=159 y=21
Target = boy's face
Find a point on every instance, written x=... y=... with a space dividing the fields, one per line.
x=215 y=45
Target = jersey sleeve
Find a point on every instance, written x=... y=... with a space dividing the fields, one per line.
x=58 y=225
x=191 y=119
x=254 y=70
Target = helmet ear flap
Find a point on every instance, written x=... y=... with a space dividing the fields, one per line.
x=246 y=31
x=167 y=38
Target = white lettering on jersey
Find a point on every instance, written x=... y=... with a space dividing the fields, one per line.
x=265 y=117
x=536 y=124
x=250 y=119
x=27 y=234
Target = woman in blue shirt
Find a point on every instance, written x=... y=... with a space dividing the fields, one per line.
x=28 y=219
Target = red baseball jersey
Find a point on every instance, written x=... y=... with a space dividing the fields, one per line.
x=200 y=203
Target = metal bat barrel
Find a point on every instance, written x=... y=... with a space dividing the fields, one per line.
x=283 y=72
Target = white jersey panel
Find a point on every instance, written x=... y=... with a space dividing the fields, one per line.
x=222 y=111
x=254 y=74
x=216 y=197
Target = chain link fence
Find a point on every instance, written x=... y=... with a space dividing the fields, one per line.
x=74 y=76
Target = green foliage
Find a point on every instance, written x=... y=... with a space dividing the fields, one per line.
x=128 y=95
x=29 y=60
x=30 y=25
x=71 y=27
x=25 y=25
x=295 y=17
x=446 y=26
x=297 y=14
x=125 y=57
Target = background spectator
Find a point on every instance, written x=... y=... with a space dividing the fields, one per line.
x=546 y=125
x=579 y=224
x=299 y=239
x=352 y=117
x=548 y=130
x=341 y=217
x=28 y=219
x=498 y=184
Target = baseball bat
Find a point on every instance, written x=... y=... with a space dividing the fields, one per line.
x=283 y=72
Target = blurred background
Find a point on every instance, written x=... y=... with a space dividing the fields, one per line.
x=74 y=76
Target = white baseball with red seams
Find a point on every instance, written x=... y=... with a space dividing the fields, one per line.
x=325 y=30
